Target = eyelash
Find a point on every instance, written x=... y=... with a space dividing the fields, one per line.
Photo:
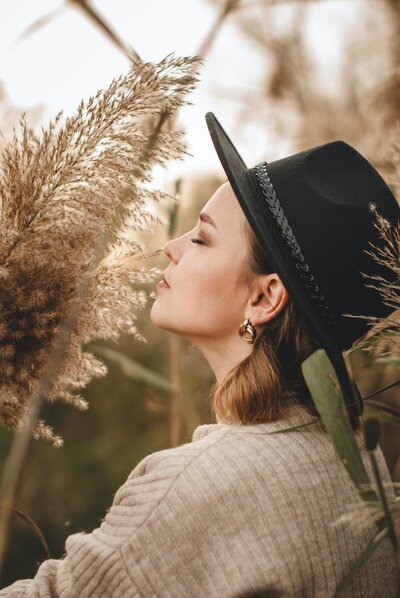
x=199 y=241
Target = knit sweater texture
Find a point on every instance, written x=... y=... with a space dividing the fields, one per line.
x=240 y=511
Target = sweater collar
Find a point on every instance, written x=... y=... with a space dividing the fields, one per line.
x=294 y=414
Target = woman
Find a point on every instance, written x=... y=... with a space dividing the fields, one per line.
x=262 y=280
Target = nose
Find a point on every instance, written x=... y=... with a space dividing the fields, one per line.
x=171 y=250
x=167 y=249
x=174 y=248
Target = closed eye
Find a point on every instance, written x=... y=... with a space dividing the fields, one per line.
x=199 y=241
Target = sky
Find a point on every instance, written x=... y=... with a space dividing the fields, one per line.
x=69 y=59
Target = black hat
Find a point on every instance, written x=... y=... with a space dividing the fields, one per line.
x=313 y=213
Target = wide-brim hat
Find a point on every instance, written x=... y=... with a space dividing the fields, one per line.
x=313 y=212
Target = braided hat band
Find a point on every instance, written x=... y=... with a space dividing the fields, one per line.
x=288 y=236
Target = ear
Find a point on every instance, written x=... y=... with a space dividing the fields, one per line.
x=268 y=298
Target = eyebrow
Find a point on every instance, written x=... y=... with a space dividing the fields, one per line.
x=204 y=217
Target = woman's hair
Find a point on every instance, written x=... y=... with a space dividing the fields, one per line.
x=255 y=390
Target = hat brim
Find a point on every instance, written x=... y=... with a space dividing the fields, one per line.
x=252 y=202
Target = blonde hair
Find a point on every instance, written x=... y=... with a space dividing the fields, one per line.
x=256 y=389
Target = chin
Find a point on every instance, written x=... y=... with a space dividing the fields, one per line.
x=162 y=321
x=158 y=318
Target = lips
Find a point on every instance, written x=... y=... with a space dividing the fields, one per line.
x=166 y=282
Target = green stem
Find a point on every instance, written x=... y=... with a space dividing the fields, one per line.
x=388 y=514
x=387 y=387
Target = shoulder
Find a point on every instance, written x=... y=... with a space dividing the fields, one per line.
x=172 y=462
x=225 y=458
x=149 y=487
x=231 y=450
x=296 y=431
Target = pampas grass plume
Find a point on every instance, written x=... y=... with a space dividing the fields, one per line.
x=80 y=181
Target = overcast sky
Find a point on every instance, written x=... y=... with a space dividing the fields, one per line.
x=69 y=59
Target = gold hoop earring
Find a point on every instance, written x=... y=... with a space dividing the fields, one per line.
x=247 y=332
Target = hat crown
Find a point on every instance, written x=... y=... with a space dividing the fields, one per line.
x=338 y=173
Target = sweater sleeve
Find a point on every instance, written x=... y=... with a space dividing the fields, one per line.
x=94 y=564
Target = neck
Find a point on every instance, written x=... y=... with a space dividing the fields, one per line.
x=224 y=354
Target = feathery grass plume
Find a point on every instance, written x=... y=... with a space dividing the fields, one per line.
x=388 y=255
x=81 y=180
x=384 y=337
x=366 y=513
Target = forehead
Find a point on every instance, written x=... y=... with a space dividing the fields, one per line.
x=224 y=207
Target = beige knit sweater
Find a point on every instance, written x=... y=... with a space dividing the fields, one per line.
x=236 y=511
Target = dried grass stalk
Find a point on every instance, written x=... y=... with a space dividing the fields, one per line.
x=363 y=514
x=388 y=255
x=59 y=193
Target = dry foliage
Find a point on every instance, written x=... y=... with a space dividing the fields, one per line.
x=366 y=513
x=70 y=200
x=387 y=255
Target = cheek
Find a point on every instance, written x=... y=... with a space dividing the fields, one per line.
x=205 y=299
x=205 y=284
x=210 y=283
x=221 y=280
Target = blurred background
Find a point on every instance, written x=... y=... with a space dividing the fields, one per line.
x=281 y=75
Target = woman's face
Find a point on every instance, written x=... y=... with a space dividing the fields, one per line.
x=207 y=294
